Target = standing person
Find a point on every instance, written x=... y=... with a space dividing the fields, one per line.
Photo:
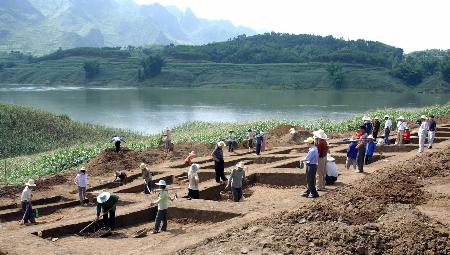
x=106 y=205
x=259 y=141
x=163 y=205
x=193 y=192
x=219 y=163
x=117 y=140
x=401 y=126
x=188 y=159
x=423 y=132
x=376 y=128
x=311 y=159
x=368 y=125
x=147 y=176
x=25 y=201
x=167 y=139
x=81 y=180
x=361 y=147
x=230 y=141
x=251 y=139
x=322 y=148
x=332 y=173
x=263 y=143
x=370 y=149
x=387 y=129
x=352 y=153
x=235 y=181
x=431 y=131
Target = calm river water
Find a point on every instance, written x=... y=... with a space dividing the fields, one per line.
x=149 y=110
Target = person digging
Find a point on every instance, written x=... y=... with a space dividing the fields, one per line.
x=106 y=205
x=25 y=201
x=147 y=176
x=163 y=205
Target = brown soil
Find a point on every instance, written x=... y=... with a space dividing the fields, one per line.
x=280 y=136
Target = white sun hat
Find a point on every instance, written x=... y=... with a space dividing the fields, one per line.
x=161 y=183
x=103 y=197
x=221 y=144
x=292 y=131
x=240 y=165
x=330 y=158
x=320 y=134
x=30 y=183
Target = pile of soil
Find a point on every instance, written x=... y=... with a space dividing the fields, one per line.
x=376 y=216
x=12 y=191
x=280 y=136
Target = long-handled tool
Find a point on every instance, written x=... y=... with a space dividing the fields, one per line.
x=23 y=218
x=90 y=224
x=146 y=186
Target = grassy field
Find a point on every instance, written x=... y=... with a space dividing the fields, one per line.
x=66 y=144
x=119 y=72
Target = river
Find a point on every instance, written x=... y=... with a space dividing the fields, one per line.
x=149 y=110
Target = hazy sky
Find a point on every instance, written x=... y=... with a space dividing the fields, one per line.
x=408 y=24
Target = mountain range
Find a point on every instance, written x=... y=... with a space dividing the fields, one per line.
x=42 y=26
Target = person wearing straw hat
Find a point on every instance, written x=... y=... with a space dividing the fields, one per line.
x=370 y=149
x=188 y=159
x=147 y=176
x=230 y=141
x=361 y=147
x=332 y=173
x=311 y=159
x=367 y=124
x=322 y=148
x=163 y=205
x=81 y=180
x=25 y=201
x=352 y=153
x=193 y=179
x=423 y=132
x=235 y=181
x=401 y=126
x=387 y=129
x=106 y=205
x=376 y=127
x=431 y=130
x=219 y=163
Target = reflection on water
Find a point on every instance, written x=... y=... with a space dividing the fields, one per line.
x=148 y=110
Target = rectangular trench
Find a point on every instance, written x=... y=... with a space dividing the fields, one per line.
x=16 y=214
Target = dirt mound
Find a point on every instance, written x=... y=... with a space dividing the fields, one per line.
x=280 y=135
x=376 y=216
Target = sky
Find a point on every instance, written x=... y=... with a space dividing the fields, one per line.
x=408 y=24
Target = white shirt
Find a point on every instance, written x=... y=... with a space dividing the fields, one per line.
x=332 y=169
x=401 y=125
x=423 y=130
x=116 y=139
x=231 y=138
x=251 y=135
x=193 y=181
x=26 y=194
x=168 y=134
x=81 y=180
x=388 y=124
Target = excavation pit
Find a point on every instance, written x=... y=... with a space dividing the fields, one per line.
x=112 y=185
x=142 y=216
x=389 y=148
x=138 y=187
x=42 y=201
x=202 y=175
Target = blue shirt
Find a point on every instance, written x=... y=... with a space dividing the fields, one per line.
x=432 y=125
x=218 y=153
x=368 y=126
x=312 y=157
x=352 y=152
x=370 y=148
x=259 y=139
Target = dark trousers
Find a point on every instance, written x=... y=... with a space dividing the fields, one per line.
x=258 y=148
x=194 y=194
x=237 y=194
x=117 y=144
x=219 y=168
x=27 y=212
x=230 y=146
x=250 y=143
x=311 y=180
x=161 y=216
x=386 y=135
x=375 y=135
x=147 y=188
x=330 y=180
x=109 y=219
x=360 y=159
x=368 y=159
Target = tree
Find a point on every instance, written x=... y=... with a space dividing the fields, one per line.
x=91 y=68
x=152 y=66
x=445 y=70
x=410 y=73
x=336 y=74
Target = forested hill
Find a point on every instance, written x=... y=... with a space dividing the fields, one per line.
x=289 y=48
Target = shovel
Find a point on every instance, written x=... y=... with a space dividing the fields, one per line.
x=22 y=221
x=81 y=231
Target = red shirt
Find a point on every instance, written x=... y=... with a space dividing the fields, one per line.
x=188 y=160
x=407 y=135
x=322 y=147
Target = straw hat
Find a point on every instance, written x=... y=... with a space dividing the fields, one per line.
x=240 y=165
x=370 y=137
x=221 y=144
x=30 y=183
x=423 y=117
x=142 y=166
x=376 y=118
x=194 y=168
x=192 y=153
x=329 y=157
x=401 y=118
x=103 y=197
x=386 y=116
x=320 y=134
x=366 y=118
x=83 y=169
x=309 y=140
x=161 y=183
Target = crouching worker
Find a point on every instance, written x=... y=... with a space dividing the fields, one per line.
x=122 y=175
x=163 y=205
x=106 y=206
x=25 y=201
x=235 y=181
x=332 y=172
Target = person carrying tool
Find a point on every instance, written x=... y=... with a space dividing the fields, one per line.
x=25 y=201
x=106 y=205
x=147 y=176
x=81 y=180
x=117 y=140
x=163 y=205
x=235 y=181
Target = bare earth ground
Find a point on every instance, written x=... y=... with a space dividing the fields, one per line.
x=399 y=206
